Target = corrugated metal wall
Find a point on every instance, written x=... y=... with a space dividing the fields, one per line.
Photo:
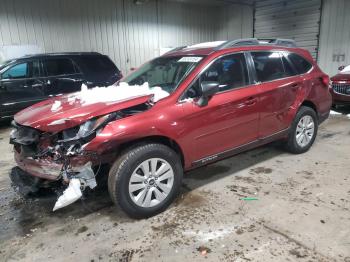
x=335 y=35
x=295 y=19
x=130 y=34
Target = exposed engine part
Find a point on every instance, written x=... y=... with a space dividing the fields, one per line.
x=24 y=135
x=70 y=195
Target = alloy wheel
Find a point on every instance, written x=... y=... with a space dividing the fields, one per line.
x=151 y=182
x=305 y=131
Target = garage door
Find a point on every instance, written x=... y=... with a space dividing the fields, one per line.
x=293 y=19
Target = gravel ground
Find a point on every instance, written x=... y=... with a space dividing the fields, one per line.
x=301 y=212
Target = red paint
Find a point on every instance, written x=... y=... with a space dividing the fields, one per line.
x=338 y=98
x=231 y=119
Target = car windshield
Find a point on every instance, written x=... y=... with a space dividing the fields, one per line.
x=164 y=72
x=346 y=70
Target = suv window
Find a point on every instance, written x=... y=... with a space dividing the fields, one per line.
x=98 y=64
x=300 y=63
x=289 y=70
x=229 y=71
x=22 y=70
x=268 y=66
x=59 y=66
x=16 y=72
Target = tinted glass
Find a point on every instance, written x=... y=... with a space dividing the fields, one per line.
x=300 y=64
x=61 y=66
x=98 y=64
x=289 y=71
x=229 y=71
x=16 y=72
x=268 y=66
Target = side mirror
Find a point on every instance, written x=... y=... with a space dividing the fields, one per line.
x=341 y=68
x=208 y=88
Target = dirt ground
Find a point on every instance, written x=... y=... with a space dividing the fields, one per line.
x=301 y=212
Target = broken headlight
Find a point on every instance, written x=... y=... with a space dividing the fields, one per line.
x=87 y=130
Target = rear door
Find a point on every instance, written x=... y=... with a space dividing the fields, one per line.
x=20 y=86
x=99 y=70
x=278 y=85
x=62 y=76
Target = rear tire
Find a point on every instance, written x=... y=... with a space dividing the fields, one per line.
x=145 y=179
x=303 y=131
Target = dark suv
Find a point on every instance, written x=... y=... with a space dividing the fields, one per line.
x=188 y=108
x=30 y=79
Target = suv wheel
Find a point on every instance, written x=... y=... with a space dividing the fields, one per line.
x=145 y=179
x=303 y=131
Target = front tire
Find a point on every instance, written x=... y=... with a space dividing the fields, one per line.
x=145 y=179
x=303 y=131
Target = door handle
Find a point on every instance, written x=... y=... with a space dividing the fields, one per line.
x=295 y=86
x=250 y=101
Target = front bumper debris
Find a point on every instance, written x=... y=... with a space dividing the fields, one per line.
x=70 y=195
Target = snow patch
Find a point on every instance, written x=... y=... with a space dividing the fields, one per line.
x=113 y=93
x=346 y=70
x=56 y=106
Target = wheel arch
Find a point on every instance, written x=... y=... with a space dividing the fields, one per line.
x=156 y=139
x=310 y=104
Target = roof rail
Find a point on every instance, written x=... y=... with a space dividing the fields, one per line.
x=238 y=42
x=256 y=41
x=278 y=41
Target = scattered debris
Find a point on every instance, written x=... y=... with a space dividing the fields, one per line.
x=298 y=253
x=249 y=198
x=70 y=195
x=81 y=230
x=204 y=250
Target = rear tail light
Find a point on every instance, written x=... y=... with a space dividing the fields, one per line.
x=325 y=80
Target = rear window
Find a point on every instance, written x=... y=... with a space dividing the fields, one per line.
x=59 y=66
x=268 y=66
x=98 y=64
x=300 y=63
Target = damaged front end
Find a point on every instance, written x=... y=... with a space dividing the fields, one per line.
x=50 y=146
x=50 y=159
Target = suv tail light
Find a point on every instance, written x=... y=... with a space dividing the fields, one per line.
x=325 y=80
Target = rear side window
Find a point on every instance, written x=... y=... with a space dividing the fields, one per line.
x=59 y=66
x=98 y=64
x=300 y=63
x=268 y=66
x=289 y=70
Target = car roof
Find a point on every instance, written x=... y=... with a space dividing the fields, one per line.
x=222 y=47
x=60 y=54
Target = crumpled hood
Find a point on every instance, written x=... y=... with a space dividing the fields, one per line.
x=59 y=113
x=42 y=117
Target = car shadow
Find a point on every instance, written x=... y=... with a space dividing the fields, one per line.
x=345 y=110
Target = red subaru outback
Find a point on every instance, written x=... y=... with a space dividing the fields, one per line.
x=188 y=108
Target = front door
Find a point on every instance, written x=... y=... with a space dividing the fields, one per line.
x=230 y=119
x=20 y=87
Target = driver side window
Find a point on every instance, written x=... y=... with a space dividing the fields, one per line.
x=229 y=71
x=16 y=72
